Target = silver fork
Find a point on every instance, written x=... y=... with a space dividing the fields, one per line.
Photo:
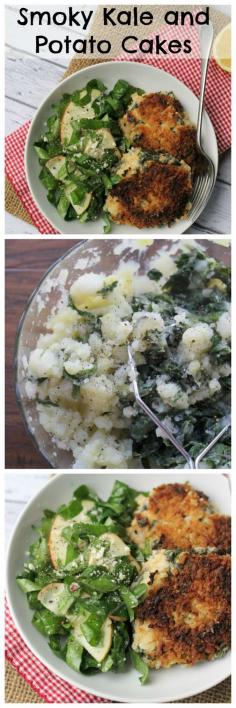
x=204 y=183
x=192 y=464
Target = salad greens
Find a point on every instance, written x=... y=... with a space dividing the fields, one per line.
x=82 y=581
x=81 y=146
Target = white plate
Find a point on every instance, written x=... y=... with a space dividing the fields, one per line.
x=164 y=686
x=140 y=75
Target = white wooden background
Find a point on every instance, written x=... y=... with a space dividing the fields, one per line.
x=30 y=78
x=19 y=489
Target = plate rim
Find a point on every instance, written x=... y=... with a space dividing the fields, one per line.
x=66 y=80
x=97 y=692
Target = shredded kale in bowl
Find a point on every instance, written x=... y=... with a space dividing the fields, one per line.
x=203 y=294
x=179 y=328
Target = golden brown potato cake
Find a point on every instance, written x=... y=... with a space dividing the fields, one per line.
x=185 y=617
x=157 y=121
x=154 y=191
x=178 y=516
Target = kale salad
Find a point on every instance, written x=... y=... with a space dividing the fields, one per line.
x=176 y=318
x=81 y=146
x=81 y=580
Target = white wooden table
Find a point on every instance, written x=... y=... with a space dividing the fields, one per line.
x=30 y=78
x=19 y=489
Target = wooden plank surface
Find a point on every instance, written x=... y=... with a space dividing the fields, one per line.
x=30 y=78
x=26 y=262
x=19 y=490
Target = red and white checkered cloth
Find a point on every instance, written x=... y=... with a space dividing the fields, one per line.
x=186 y=68
x=15 y=172
x=47 y=685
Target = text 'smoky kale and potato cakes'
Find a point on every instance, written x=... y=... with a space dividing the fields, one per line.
x=104 y=594
x=126 y=154
x=176 y=318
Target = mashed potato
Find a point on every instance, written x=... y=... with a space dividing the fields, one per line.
x=79 y=376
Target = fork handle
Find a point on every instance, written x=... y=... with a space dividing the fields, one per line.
x=206 y=38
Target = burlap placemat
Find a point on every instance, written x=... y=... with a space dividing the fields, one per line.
x=219 y=20
x=18 y=691
x=13 y=204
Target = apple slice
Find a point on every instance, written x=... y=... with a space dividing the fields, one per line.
x=57 y=544
x=101 y=650
x=117 y=547
x=56 y=598
x=74 y=112
x=79 y=208
x=55 y=164
x=103 y=140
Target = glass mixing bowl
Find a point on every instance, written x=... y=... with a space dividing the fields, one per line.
x=99 y=256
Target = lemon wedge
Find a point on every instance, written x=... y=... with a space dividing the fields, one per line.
x=222 y=48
